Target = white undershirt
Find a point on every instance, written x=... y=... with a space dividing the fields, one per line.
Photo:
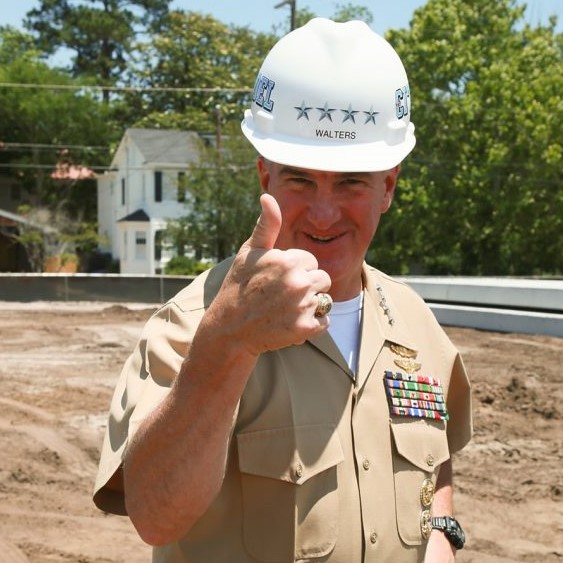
x=345 y=320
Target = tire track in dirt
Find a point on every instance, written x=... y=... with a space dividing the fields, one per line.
x=9 y=553
x=72 y=456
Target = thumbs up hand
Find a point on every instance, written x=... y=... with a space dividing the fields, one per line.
x=268 y=225
x=268 y=298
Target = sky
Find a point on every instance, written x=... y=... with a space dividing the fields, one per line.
x=261 y=15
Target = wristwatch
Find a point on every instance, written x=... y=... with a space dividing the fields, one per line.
x=451 y=528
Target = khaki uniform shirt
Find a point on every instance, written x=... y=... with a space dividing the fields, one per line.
x=318 y=469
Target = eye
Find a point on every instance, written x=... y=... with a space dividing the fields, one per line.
x=298 y=182
x=352 y=182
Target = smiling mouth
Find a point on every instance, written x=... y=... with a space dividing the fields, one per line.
x=322 y=240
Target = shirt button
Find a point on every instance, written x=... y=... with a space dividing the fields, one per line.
x=430 y=460
x=299 y=471
x=366 y=464
x=373 y=537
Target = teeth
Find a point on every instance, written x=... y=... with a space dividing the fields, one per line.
x=322 y=239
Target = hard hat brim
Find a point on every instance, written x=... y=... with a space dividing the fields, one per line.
x=329 y=156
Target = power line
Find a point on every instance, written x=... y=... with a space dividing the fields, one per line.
x=11 y=146
x=48 y=166
x=123 y=88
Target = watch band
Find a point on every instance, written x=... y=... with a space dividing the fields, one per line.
x=440 y=522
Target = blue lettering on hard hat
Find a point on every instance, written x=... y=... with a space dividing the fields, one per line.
x=402 y=101
x=263 y=92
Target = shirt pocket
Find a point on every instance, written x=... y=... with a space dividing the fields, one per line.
x=289 y=491
x=420 y=448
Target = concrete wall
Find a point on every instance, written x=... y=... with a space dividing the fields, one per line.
x=499 y=304
x=115 y=288
x=532 y=306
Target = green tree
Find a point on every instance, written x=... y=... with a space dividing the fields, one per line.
x=343 y=12
x=222 y=203
x=53 y=232
x=41 y=127
x=482 y=193
x=206 y=61
x=100 y=33
x=36 y=119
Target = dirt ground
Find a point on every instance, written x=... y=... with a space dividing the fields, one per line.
x=58 y=366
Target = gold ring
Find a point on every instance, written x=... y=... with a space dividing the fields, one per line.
x=324 y=305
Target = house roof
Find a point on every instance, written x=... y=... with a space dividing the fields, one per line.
x=139 y=216
x=166 y=146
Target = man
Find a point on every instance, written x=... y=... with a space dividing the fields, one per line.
x=253 y=423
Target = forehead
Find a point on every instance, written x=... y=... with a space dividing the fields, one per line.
x=285 y=170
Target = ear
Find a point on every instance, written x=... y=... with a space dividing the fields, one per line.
x=390 y=181
x=263 y=173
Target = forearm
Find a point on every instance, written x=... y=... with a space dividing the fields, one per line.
x=175 y=463
x=443 y=497
x=439 y=549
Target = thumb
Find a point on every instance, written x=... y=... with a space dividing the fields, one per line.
x=268 y=225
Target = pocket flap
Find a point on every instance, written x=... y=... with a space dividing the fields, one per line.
x=421 y=443
x=293 y=454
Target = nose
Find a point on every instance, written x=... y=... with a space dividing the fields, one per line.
x=324 y=212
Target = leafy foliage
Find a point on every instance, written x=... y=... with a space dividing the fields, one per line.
x=223 y=204
x=481 y=193
x=42 y=117
x=185 y=266
x=100 y=33
x=209 y=64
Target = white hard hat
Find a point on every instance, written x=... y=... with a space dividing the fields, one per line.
x=332 y=96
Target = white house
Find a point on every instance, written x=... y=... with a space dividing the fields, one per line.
x=142 y=190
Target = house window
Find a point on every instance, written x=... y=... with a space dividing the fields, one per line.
x=181 y=187
x=125 y=245
x=158 y=245
x=122 y=191
x=158 y=186
x=140 y=245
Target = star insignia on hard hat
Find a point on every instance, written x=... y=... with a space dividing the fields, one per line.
x=326 y=112
x=349 y=114
x=370 y=115
x=303 y=110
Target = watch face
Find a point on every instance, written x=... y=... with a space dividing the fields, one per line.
x=455 y=533
x=452 y=530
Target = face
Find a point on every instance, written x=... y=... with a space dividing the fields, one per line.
x=333 y=215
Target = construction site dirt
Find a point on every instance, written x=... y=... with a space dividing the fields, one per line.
x=58 y=366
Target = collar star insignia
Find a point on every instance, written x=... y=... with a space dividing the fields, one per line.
x=370 y=115
x=349 y=114
x=384 y=306
x=303 y=110
x=326 y=112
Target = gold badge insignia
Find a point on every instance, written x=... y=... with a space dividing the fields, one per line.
x=408 y=364
x=427 y=493
x=402 y=351
x=425 y=524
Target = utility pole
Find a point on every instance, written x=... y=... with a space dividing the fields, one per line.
x=292 y=7
x=217 y=112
